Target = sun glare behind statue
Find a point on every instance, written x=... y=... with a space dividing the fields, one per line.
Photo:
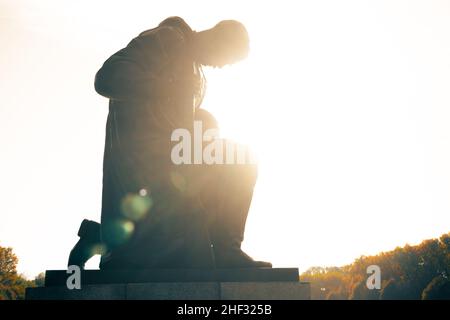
x=245 y=98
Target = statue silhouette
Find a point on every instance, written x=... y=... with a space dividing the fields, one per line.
x=156 y=214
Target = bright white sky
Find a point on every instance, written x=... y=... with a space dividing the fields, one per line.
x=346 y=102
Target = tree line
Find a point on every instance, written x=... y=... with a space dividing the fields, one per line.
x=410 y=272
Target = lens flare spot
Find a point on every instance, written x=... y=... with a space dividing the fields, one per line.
x=97 y=249
x=136 y=206
x=143 y=192
x=118 y=232
x=127 y=227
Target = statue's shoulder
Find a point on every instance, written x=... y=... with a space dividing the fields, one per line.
x=167 y=38
x=166 y=34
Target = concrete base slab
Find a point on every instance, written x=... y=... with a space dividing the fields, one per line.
x=178 y=291
x=175 y=284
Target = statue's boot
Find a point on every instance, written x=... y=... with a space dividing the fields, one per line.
x=227 y=231
x=232 y=256
x=88 y=245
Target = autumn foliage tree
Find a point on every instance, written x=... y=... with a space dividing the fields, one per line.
x=410 y=272
x=437 y=289
x=12 y=284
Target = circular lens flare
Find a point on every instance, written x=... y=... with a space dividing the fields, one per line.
x=136 y=206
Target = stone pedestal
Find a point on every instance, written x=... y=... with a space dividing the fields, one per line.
x=185 y=284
